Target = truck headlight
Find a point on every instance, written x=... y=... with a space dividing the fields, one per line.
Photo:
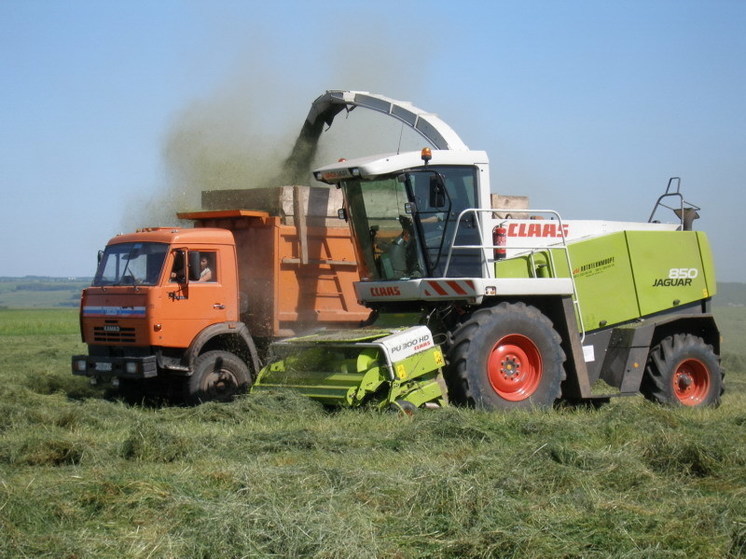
x=130 y=367
x=80 y=365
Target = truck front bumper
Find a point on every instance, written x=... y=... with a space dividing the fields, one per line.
x=107 y=368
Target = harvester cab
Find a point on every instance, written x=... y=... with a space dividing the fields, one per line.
x=407 y=218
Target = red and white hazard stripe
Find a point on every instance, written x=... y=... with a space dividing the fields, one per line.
x=449 y=288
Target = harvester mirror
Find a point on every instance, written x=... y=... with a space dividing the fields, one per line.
x=437 y=191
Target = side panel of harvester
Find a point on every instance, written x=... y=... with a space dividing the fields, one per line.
x=633 y=289
x=627 y=275
x=671 y=269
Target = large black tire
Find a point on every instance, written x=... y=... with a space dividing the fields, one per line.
x=148 y=392
x=218 y=376
x=506 y=357
x=132 y=391
x=682 y=370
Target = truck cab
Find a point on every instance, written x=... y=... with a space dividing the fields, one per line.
x=187 y=313
x=185 y=278
x=148 y=304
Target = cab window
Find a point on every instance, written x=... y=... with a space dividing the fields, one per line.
x=202 y=266
x=207 y=267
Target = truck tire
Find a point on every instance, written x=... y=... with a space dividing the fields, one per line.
x=131 y=391
x=682 y=370
x=506 y=357
x=218 y=376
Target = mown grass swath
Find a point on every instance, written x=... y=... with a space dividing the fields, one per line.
x=274 y=475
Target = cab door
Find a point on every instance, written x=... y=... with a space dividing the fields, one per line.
x=200 y=292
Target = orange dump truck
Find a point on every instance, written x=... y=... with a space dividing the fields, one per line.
x=189 y=312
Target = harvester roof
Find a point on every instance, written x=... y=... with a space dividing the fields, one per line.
x=376 y=165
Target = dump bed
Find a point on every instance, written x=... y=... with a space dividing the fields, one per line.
x=292 y=279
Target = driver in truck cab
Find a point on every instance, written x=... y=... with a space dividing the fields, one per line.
x=205 y=273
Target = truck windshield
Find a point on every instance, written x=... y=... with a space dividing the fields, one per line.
x=404 y=229
x=131 y=264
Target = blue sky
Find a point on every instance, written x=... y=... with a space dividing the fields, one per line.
x=115 y=114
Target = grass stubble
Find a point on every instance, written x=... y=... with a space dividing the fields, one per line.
x=275 y=475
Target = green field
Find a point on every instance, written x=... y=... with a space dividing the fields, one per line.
x=35 y=292
x=278 y=476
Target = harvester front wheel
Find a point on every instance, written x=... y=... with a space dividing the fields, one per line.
x=507 y=356
x=682 y=370
x=218 y=376
x=403 y=408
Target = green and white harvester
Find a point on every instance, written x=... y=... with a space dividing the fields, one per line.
x=510 y=308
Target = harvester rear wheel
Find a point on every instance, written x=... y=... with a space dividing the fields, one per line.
x=218 y=376
x=682 y=370
x=507 y=356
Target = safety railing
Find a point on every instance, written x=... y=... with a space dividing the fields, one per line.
x=523 y=249
x=685 y=211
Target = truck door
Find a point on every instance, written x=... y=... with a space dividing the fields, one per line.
x=197 y=294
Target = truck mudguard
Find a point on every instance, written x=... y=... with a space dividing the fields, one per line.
x=230 y=336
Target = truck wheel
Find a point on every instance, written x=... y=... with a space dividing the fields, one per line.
x=132 y=391
x=218 y=376
x=682 y=370
x=506 y=357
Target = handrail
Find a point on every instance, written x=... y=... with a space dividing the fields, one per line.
x=686 y=214
x=561 y=244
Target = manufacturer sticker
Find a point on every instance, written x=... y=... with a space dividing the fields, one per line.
x=589 y=354
x=677 y=277
x=549 y=229
x=409 y=342
x=593 y=268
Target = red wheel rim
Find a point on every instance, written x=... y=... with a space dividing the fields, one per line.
x=691 y=382
x=514 y=367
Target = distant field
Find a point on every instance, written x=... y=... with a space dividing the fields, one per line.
x=275 y=476
x=48 y=292
x=41 y=292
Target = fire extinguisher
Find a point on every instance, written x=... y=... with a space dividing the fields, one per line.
x=499 y=240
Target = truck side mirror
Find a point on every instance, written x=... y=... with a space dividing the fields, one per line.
x=193 y=265
x=179 y=271
x=437 y=191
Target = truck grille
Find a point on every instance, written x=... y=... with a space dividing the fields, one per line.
x=112 y=335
